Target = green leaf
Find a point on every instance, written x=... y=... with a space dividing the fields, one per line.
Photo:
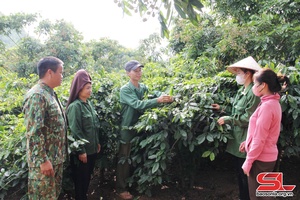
x=201 y=138
x=152 y=156
x=210 y=137
x=183 y=133
x=177 y=5
x=220 y=128
x=155 y=167
x=212 y=156
x=295 y=113
x=191 y=147
x=212 y=125
x=162 y=146
x=163 y=165
x=292 y=101
x=143 y=143
x=206 y=154
x=297 y=90
x=159 y=180
x=197 y=4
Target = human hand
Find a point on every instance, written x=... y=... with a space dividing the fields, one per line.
x=99 y=148
x=83 y=157
x=215 y=106
x=221 y=121
x=242 y=147
x=165 y=99
x=47 y=168
x=247 y=173
x=284 y=87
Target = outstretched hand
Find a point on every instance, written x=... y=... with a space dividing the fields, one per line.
x=221 y=121
x=215 y=106
x=165 y=99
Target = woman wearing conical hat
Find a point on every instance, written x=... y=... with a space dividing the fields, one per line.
x=244 y=105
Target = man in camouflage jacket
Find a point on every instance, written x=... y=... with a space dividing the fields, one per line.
x=45 y=131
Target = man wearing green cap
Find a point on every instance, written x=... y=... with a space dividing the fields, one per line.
x=132 y=107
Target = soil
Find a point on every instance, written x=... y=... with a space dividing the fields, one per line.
x=216 y=181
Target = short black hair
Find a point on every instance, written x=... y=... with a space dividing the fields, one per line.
x=46 y=63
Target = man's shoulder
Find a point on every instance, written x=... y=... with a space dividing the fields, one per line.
x=36 y=89
x=126 y=87
x=38 y=93
x=129 y=87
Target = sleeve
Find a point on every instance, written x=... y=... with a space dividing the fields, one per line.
x=260 y=135
x=35 y=110
x=152 y=95
x=75 y=124
x=130 y=98
x=155 y=94
x=225 y=109
x=242 y=120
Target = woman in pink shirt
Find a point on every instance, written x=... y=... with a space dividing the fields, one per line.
x=264 y=128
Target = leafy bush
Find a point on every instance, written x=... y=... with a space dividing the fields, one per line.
x=289 y=140
x=184 y=132
x=13 y=161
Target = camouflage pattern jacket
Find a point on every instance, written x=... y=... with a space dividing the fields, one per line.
x=45 y=126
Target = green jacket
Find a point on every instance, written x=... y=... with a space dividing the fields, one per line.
x=84 y=124
x=45 y=126
x=244 y=105
x=132 y=107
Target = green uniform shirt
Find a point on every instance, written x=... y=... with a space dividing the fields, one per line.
x=132 y=107
x=244 y=105
x=84 y=124
x=45 y=126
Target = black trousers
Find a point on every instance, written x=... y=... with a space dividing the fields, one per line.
x=81 y=174
x=242 y=178
x=258 y=167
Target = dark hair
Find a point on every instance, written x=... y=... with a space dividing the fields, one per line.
x=273 y=80
x=248 y=70
x=46 y=63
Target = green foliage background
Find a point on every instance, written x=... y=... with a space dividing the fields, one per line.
x=184 y=132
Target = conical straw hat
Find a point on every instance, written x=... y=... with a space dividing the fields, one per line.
x=247 y=63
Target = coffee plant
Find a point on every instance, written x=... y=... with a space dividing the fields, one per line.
x=174 y=139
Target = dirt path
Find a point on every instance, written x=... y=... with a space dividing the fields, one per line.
x=214 y=182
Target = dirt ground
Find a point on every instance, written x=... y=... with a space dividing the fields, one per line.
x=216 y=181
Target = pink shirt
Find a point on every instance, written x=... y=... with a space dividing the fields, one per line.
x=263 y=132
